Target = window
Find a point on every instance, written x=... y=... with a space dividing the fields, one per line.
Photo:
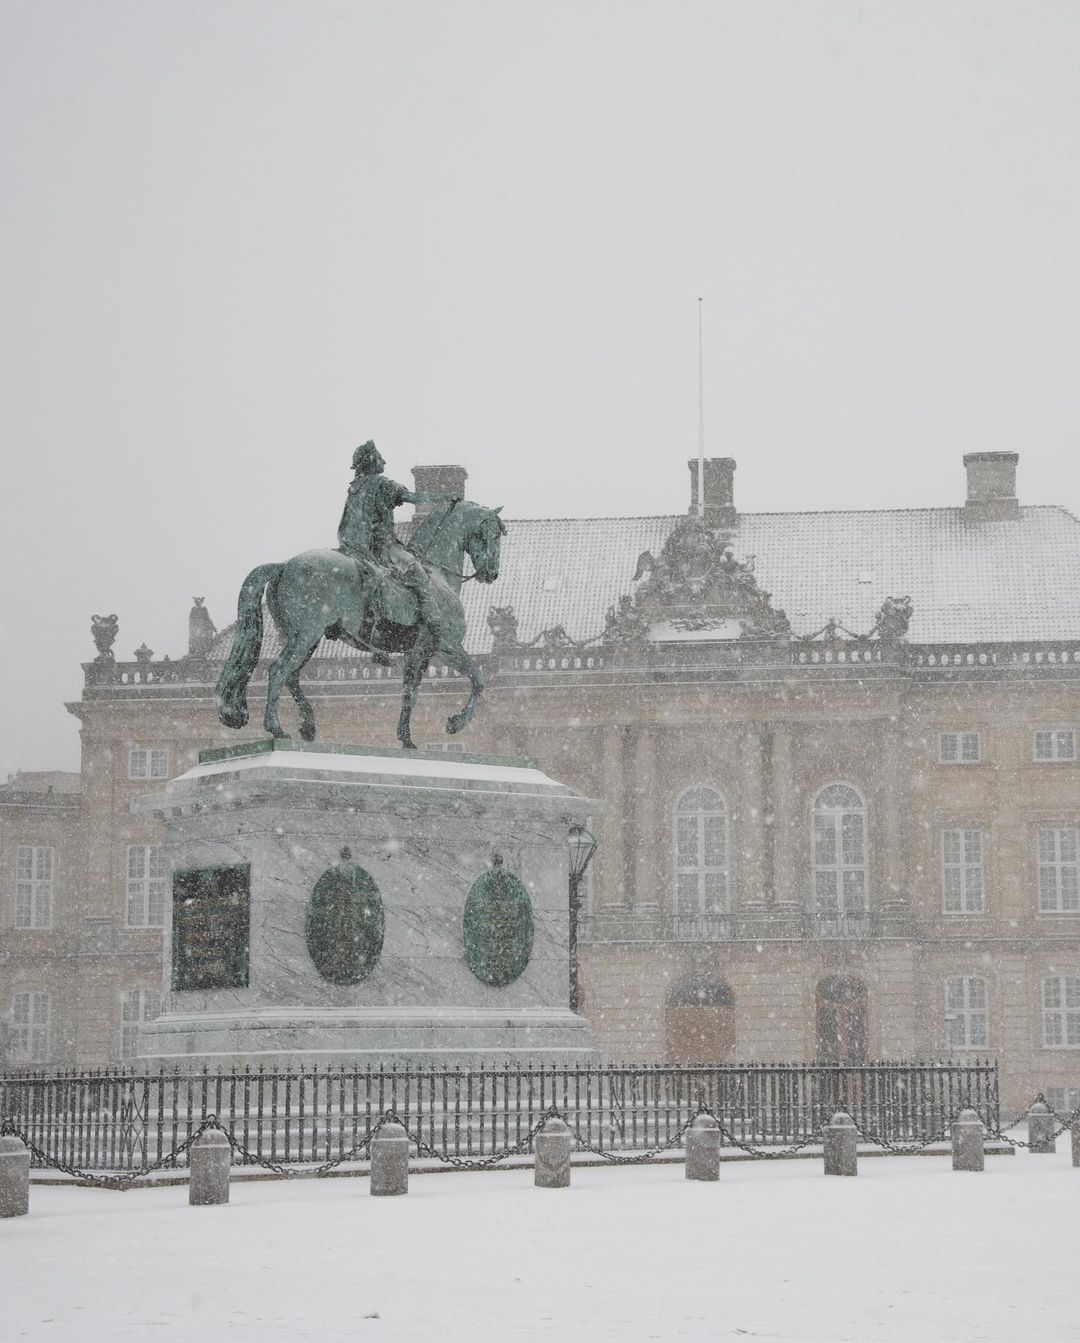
x=33 y=886
x=959 y=748
x=1059 y=881
x=962 y=871
x=1058 y=743
x=1061 y=1012
x=966 y=1019
x=30 y=1026
x=147 y=875
x=839 y=851
x=147 y=764
x=701 y=853
x=136 y=1006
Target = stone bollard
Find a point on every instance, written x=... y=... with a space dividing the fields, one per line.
x=208 y=1176
x=968 y=1139
x=703 y=1149
x=1076 y=1141
x=553 y=1144
x=1041 y=1122
x=841 y=1137
x=390 y=1161
x=14 y=1177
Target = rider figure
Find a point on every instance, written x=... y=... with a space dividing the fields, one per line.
x=366 y=529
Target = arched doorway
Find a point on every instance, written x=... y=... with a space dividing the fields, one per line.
x=700 y=1022
x=841 y=1021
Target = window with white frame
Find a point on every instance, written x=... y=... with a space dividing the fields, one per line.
x=962 y=870
x=29 y=1040
x=701 y=853
x=146 y=763
x=136 y=1006
x=1061 y=1012
x=1054 y=743
x=966 y=1016
x=146 y=885
x=33 y=886
x=839 y=851
x=959 y=748
x=1059 y=869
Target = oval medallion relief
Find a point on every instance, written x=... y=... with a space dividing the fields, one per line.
x=498 y=927
x=345 y=923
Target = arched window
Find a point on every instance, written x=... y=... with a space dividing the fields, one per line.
x=839 y=851
x=700 y=1021
x=701 y=853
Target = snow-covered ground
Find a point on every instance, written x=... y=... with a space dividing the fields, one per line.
x=909 y=1250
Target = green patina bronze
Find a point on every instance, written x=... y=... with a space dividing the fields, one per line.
x=373 y=592
x=345 y=923
x=211 y=928
x=497 y=927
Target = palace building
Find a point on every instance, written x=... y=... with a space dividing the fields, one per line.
x=833 y=756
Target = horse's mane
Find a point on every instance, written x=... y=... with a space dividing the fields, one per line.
x=424 y=535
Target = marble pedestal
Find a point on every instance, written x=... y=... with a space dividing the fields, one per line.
x=424 y=827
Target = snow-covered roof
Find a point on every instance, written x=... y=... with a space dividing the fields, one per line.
x=970 y=581
x=1012 y=580
x=42 y=781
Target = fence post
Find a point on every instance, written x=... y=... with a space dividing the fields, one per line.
x=1041 y=1120
x=14 y=1177
x=553 y=1155
x=208 y=1174
x=390 y=1161
x=840 y=1145
x=703 y=1149
x=968 y=1135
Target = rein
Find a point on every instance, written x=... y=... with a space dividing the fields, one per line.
x=444 y=568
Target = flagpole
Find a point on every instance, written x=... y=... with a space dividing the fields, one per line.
x=700 y=415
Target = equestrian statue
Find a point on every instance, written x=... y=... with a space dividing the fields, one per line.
x=373 y=592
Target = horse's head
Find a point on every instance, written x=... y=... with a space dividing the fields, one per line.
x=482 y=541
x=461 y=528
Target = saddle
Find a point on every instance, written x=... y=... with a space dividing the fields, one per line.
x=386 y=596
x=392 y=600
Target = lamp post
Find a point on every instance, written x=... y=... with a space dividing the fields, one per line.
x=582 y=848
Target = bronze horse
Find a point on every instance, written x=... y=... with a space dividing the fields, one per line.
x=325 y=593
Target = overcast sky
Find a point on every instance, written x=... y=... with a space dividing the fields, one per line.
x=239 y=238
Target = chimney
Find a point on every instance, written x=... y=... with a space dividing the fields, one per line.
x=719 y=479
x=437 y=480
x=991 y=486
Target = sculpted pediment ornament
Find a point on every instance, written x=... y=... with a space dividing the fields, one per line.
x=694 y=586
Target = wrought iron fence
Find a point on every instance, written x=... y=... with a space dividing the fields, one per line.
x=117 y=1121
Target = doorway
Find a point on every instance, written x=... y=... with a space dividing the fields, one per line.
x=841 y=1021
x=700 y=1022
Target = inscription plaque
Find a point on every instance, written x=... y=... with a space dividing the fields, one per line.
x=211 y=928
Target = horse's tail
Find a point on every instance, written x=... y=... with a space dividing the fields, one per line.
x=231 y=693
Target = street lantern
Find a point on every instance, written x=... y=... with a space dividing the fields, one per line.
x=582 y=847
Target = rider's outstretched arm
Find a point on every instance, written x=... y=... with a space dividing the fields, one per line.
x=429 y=497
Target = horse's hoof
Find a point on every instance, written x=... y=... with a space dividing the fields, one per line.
x=278 y=734
x=408 y=746
x=455 y=723
x=307 y=732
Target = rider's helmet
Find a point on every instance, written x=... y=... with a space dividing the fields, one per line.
x=366 y=456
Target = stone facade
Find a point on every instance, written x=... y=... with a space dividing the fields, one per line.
x=943 y=771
